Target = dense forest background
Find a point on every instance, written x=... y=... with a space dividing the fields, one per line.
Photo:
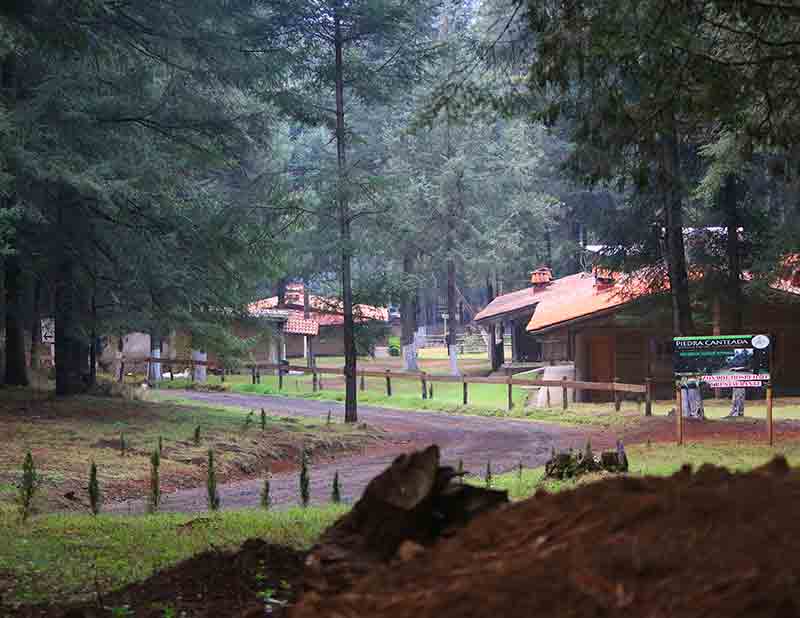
x=165 y=163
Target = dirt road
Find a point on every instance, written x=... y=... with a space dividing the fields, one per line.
x=472 y=439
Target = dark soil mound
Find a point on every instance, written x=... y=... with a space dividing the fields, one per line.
x=209 y=585
x=712 y=543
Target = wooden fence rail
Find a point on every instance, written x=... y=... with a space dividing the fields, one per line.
x=425 y=379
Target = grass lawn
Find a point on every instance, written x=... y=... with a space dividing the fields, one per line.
x=65 y=435
x=58 y=556
x=654 y=460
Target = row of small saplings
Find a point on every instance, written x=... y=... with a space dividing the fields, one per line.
x=31 y=481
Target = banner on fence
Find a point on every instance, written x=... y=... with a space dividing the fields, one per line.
x=723 y=361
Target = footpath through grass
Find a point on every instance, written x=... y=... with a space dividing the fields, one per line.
x=61 y=556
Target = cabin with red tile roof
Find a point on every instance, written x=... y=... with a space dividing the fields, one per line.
x=609 y=325
x=324 y=324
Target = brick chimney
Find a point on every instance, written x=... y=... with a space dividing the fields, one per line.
x=603 y=277
x=541 y=277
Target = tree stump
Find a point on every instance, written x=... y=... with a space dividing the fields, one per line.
x=406 y=508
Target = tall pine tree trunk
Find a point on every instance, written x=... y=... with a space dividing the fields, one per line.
x=452 y=351
x=408 y=317
x=735 y=300
x=493 y=356
x=36 y=325
x=16 y=365
x=71 y=347
x=350 y=401
x=682 y=322
x=16 y=371
x=310 y=360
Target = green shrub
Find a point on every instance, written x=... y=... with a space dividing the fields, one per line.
x=155 y=482
x=28 y=486
x=95 y=498
x=336 y=494
x=266 y=500
x=211 y=483
x=394 y=346
x=305 y=492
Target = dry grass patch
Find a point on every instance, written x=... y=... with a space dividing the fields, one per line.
x=64 y=436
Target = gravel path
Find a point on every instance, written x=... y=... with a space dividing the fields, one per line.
x=472 y=439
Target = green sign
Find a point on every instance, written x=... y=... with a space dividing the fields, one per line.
x=723 y=361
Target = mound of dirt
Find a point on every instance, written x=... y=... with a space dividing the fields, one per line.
x=209 y=585
x=710 y=543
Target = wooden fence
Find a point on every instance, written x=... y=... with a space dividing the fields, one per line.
x=426 y=380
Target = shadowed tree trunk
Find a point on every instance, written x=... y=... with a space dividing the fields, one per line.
x=408 y=317
x=16 y=371
x=310 y=360
x=682 y=322
x=493 y=357
x=16 y=365
x=349 y=331
x=36 y=325
x=735 y=301
x=71 y=348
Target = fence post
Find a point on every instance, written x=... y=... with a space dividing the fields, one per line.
x=222 y=375
x=424 y=385
x=465 y=391
x=319 y=381
x=430 y=390
x=509 y=377
x=258 y=374
x=363 y=384
x=617 y=402
x=679 y=412
x=121 y=371
x=564 y=399
x=253 y=373
x=648 y=395
x=547 y=395
x=770 y=427
x=191 y=368
x=313 y=380
x=280 y=378
x=388 y=383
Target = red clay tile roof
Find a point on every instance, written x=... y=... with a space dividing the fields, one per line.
x=509 y=303
x=579 y=296
x=325 y=310
x=298 y=325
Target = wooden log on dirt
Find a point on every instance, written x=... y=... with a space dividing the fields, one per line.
x=406 y=508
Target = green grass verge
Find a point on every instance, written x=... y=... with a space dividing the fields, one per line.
x=484 y=399
x=56 y=557
x=654 y=460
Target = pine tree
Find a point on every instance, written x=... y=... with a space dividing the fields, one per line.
x=266 y=500
x=305 y=490
x=28 y=487
x=336 y=496
x=155 y=483
x=95 y=497
x=211 y=483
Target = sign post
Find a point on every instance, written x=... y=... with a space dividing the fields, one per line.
x=722 y=361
